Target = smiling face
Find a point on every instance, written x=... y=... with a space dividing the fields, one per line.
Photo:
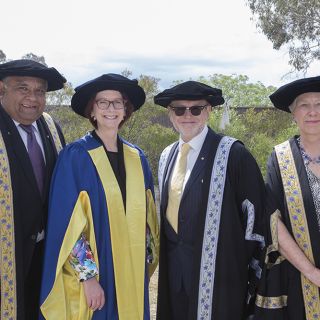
x=188 y=125
x=306 y=113
x=108 y=117
x=23 y=98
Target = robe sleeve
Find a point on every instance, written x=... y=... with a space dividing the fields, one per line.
x=271 y=299
x=274 y=183
x=74 y=186
x=82 y=260
x=152 y=227
x=250 y=194
x=250 y=198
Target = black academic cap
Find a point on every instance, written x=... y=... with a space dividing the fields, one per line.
x=285 y=95
x=30 y=68
x=110 y=81
x=190 y=90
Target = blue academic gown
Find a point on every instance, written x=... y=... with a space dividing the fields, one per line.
x=75 y=172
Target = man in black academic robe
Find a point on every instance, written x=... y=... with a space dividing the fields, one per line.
x=238 y=242
x=23 y=84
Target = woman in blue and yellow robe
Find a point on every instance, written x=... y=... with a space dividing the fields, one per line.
x=102 y=191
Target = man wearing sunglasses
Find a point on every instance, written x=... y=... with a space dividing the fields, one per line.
x=211 y=205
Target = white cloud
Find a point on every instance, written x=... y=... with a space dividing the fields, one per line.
x=168 y=39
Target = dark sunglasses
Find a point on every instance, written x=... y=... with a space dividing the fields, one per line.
x=194 y=110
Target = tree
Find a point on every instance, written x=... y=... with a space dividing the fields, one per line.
x=146 y=115
x=3 y=57
x=291 y=23
x=34 y=57
x=60 y=97
x=259 y=130
x=73 y=125
x=239 y=92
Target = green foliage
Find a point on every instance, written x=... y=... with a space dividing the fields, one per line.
x=61 y=97
x=73 y=126
x=259 y=130
x=146 y=115
x=152 y=141
x=294 y=23
x=3 y=56
x=239 y=92
x=34 y=57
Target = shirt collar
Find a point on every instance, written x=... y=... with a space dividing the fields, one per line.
x=34 y=124
x=196 y=142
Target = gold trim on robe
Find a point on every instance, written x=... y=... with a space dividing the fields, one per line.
x=54 y=132
x=274 y=236
x=271 y=302
x=7 y=243
x=8 y=296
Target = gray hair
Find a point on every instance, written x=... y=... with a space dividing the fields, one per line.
x=293 y=105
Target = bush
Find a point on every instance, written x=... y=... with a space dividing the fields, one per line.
x=259 y=130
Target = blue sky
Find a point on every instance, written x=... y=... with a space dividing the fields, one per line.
x=167 y=39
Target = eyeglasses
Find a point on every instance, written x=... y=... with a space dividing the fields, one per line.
x=194 y=110
x=104 y=104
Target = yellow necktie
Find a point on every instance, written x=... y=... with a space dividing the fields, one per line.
x=175 y=188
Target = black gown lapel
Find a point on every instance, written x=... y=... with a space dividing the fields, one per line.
x=14 y=141
x=166 y=177
x=49 y=151
x=209 y=146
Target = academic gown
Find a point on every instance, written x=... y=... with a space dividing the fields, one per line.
x=81 y=202
x=235 y=248
x=282 y=279
x=29 y=206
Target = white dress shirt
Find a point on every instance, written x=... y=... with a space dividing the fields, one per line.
x=24 y=136
x=196 y=144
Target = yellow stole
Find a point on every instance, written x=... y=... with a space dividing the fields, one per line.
x=128 y=241
x=299 y=224
x=128 y=230
x=54 y=132
x=7 y=244
x=8 y=309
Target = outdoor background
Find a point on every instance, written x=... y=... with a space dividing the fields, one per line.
x=247 y=48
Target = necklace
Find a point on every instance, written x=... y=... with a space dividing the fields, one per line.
x=306 y=157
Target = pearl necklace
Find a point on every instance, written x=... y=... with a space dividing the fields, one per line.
x=307 y=158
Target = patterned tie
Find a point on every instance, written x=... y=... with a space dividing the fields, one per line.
x=175 y=188
x=35 y=155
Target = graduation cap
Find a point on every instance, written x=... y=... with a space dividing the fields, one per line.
x=110 y=81
x=285 y=95
x=30 y=68
x=190 y=90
